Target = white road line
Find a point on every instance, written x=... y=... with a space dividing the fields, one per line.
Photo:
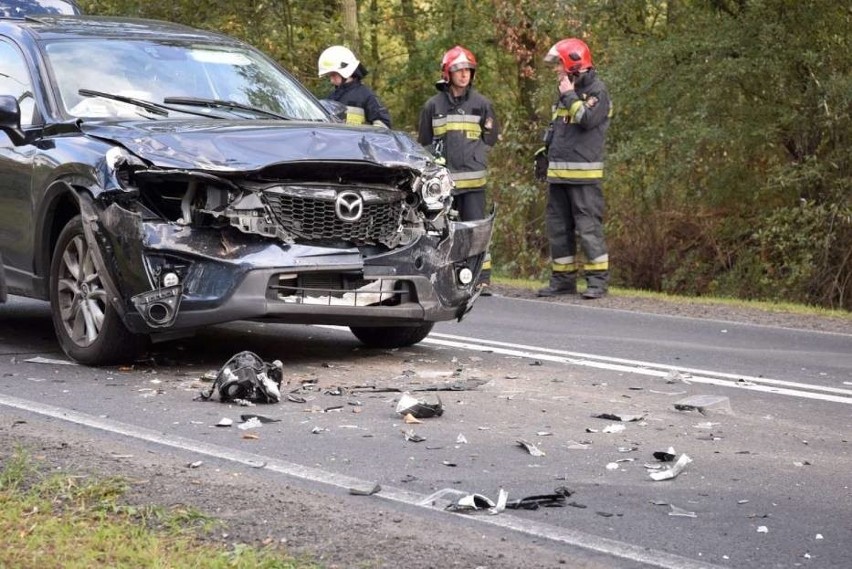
x=761 y=384
x=565 y=536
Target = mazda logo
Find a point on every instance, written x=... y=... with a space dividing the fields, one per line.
x=349 y=206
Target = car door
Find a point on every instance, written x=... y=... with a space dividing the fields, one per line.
x=16 y=173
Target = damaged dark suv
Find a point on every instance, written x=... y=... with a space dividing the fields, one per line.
x=156 y=179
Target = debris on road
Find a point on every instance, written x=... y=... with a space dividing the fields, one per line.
x=252 y=423
x=409 y=405
x=410 y=435
x=675 y=511
x=617 y=417
x=368 y=490
x=674 y=376
x=458 y=385
x=705 y=404
x=477 y=502
x=461 y=439
x=665 y=455
x=195 y=464
x=531 y=448
x=225 y=422
x=614 y=428
x=672 y=472
x=261 y=418
x=554 y=500
x=410 y=419
x=41 y=360
x=245 y=377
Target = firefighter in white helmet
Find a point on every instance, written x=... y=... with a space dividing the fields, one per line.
x=460 y=125
x=345 y=73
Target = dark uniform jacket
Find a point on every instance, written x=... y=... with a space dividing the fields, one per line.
x=578 y=130
x=461 y=130
x=362 y=105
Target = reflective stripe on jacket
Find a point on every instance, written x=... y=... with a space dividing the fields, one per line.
x=576 y=151
x=362 y=105
x=465 y=129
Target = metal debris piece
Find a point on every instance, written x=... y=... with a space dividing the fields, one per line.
x=195 y=464
x=672 y=472
x=318 y=430
x=419 y=408
x=665 y=455
x=366 y=490
x=448 y=463
x=249 y=416
x=705 y=404
x=531 y=448
x=296 y=398
x=617 y=417
x=413 y=437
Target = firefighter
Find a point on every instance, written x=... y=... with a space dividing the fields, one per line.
x=345 y=73
x=459 y=124
x=575 y=154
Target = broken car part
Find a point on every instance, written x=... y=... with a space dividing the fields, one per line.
x=672 y=472
x=419 y=409
x=245 y=377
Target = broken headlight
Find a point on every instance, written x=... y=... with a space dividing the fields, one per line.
x=434 y=186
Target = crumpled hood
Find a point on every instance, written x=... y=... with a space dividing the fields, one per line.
x=238 y=146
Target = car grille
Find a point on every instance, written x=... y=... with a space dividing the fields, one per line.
x=311 y=216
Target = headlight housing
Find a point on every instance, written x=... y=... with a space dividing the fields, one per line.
x=435 y=188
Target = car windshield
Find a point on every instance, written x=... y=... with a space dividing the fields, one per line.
x=150 y=70
x=21 y=8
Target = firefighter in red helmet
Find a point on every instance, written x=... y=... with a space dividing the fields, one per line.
x=460 y=125
x=574 y=145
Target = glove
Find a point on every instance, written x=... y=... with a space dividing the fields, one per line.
x=540 y=164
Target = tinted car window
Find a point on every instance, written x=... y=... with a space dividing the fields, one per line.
x=15 y=81
x=154 y=71
x=21 y=8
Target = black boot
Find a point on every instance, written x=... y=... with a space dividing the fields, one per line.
x=561 y=282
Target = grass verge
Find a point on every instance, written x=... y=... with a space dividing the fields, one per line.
x=781 y=307
x=75 y=522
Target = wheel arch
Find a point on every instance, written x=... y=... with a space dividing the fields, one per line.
x=60 y=204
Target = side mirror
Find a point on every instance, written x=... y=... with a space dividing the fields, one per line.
x=10 y=119
x=336 y=109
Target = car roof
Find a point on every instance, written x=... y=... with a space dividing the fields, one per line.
x=69 y=27
x=24 y=8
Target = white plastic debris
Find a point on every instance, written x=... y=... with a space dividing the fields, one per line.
x=675 y=511
x=225 y=422
x=531 y=448
x=672 y=472
x=253 y=423
x=612 y=466
x=614 y=428
x=762 y=529
x=461 y=439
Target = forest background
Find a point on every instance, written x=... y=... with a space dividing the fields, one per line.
x=728 y=170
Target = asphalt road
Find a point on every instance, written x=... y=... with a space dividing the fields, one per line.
x=768 y=484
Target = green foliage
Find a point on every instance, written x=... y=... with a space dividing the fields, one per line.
x=727 y=115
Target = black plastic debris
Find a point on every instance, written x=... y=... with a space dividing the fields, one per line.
x=417 y=408
x=555 y=500
x=665 y=455
x=411 y=436
x=618 y=417
x=245 y=377
x=249 y=416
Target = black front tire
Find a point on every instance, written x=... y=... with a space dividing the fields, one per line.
x=391 y=336
x=88 y=328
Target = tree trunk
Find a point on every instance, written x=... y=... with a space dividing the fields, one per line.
x=351 y=37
